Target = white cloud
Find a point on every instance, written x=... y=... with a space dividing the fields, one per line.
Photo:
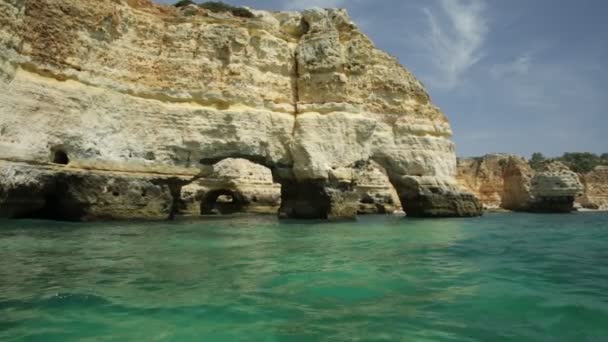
x=305 y=4
x=455 y=39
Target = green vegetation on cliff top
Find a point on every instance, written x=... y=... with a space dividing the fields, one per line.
x=218 y=7
x=582 y=162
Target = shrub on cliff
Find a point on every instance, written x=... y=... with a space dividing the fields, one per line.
x=537 y=161
x=581 y=162
x=219 y=7
x=184 y=3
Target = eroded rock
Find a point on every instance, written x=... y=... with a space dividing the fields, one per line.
x=64 y=194
x=555 y=189
x=233 y=185
x=130 y=86
x=596 y=189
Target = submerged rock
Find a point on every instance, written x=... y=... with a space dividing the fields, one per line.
x=152 y=91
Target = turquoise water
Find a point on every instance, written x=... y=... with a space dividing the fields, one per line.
x=503 y=277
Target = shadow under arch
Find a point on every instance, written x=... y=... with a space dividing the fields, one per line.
x=222 y=202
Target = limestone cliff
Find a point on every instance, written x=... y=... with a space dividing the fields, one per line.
x=595 y=195
x=508 y=182
x=133 y=89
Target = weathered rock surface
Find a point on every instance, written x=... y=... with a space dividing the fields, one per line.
x=485 y=177
x=64 y=194
x=233 y=185
x=376 y=193
x=596 y=189
x=517 y=181
x=555 y=189
x=508 y=182
x=133 y=87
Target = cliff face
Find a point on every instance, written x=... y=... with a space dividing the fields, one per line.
x=508 y=182
x=596 y=189
x=126 y=86
x=485 y=178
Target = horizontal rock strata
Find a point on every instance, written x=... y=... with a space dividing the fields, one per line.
x=129 y=87
x=508 y=182
x=595 y=195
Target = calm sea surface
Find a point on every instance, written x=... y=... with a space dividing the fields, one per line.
x=503 y=277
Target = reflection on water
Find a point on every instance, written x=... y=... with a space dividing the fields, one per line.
x=260 y=279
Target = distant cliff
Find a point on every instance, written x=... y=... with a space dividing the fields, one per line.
x=510 y=182
x=128 y=109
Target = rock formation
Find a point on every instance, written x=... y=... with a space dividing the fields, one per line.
x=485 y=177
x=131 y=95
x=554 y=189
x=596 y=189
x=508 y=182
x=517 y=175
x=375 y=191
x=233 y=185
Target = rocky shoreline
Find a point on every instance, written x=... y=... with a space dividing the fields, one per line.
x=126 y=109
x=508 y=182
x=129 y=109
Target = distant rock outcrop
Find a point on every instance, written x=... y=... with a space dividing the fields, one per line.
x=134 y=96
x=554 y=189
x=595 y=182
x=508 y=182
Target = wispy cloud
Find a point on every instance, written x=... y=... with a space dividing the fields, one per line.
x=456 y=34
x=305 y=4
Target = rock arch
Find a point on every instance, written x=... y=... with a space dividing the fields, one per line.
x=222 y=202
x=232 y=185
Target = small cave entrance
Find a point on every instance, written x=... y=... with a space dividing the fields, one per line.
x=60 y=157
x=222 y=202
x=304 y=200
x=58 y=204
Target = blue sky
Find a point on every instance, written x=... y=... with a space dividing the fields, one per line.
x=516 y=76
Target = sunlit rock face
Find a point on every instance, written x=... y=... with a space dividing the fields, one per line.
x=555 y=189
x=133 y=87
x=233 y=185
x=596 y=189
x=508 y=182
x=485 y=177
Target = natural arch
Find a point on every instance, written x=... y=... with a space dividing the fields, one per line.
x=222 y=202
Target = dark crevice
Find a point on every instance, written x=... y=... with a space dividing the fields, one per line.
x=175 y=188
x=60 y=157
x=304 y=200
x=59 y=203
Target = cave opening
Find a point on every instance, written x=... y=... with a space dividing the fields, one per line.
x=60 y=157
x=58 y=205
x=222 y=202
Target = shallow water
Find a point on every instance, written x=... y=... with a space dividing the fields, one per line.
x=501 y=277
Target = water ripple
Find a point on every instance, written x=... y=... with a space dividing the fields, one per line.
x=502 y=277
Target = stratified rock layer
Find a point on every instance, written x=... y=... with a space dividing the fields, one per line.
x=554 y=189
x=596 y=189
x=508 y=182
x=233 y=185
x=126 y=86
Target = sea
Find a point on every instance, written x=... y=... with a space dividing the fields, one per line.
x=500 y=277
